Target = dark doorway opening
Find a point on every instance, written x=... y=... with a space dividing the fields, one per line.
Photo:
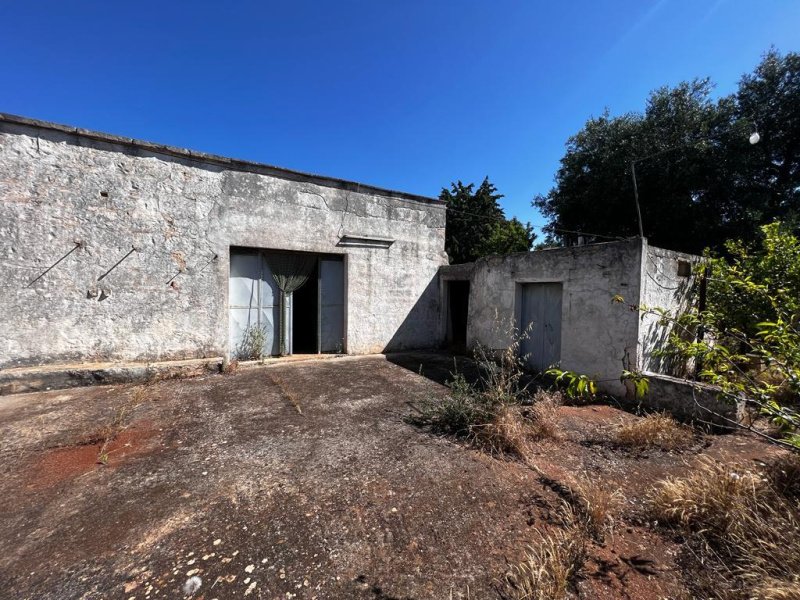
x=458 y=313
x=305 y=309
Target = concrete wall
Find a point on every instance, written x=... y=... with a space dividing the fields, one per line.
x=689 y=401
x=663 y=286
x=598 y=337
x=171 y=217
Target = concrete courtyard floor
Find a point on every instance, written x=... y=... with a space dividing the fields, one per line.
x=297 y=480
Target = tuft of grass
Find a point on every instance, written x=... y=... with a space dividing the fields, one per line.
x=743 y=530
x=784 y=476
x=120 y=422
x=506 y=432
x=496 y=413
x=494 y=425
x=550 y=565
x=544 y=414
x=456 y=412
x=657 y=430
x=598 y=504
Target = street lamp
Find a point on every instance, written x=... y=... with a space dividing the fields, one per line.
x=753 y=139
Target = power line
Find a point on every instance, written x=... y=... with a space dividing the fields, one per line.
x=543 y=228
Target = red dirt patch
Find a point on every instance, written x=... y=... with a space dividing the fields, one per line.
x=64 y=463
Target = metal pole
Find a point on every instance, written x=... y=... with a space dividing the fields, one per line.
x=636 y=197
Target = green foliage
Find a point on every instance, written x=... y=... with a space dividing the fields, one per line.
x=457 y=412
x=507 y=237
x=700 y=181
x=476 y=225
x=470 y=405
x=575 y=385
x=641 y=385
x=754 y=283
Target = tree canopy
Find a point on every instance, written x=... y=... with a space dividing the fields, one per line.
x=701 y=181
x=477 y=226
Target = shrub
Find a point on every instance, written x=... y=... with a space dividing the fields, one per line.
x=496 y=413
x=252 y=345
x=657 y=430
x=743 y=530
x=746 y=340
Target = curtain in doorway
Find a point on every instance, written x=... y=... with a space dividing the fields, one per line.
x=290 y=272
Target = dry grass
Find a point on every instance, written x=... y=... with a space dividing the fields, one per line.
x=658 y=430
x=743 y=531
x=784 y=476
x=511 y=428
x=551 y=565
x=544 y=414
x=120 y=421
x=598 y=504
x=508 y=432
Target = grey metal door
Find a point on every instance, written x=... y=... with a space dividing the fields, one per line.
x=540 y=314
x=331 y=305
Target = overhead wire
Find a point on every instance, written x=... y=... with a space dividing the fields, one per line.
x=543 y=228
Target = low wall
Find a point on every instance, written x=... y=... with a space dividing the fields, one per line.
x=688 y=401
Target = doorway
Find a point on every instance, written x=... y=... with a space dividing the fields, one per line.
x=285 y=303
x=305 y=315
x=457 y=314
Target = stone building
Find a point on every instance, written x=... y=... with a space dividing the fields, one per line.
x=565 y=297
x=113 y=249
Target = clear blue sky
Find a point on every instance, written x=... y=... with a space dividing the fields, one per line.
x=407 y=95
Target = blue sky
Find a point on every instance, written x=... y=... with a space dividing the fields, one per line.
x=407 y=95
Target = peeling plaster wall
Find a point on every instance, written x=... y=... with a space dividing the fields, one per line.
x=663 y=287
x=171 y=217
x=598 y=336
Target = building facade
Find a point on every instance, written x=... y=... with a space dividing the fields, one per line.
x=565 y=302
x=113 y=249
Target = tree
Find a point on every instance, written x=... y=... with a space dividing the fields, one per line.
x=745 y=287
x=769 y=101
x=507 y=237
x=476 y=225
x=700 y=181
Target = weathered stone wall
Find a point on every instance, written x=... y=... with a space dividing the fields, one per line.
x=666 y=284
x=598 y=336
x=170 y=216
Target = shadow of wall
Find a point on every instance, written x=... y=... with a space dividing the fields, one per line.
x=421 y=328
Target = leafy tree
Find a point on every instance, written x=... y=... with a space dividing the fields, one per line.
x=700 y=180
x=768 y=100
x=744 y=289
x=507 y=237
x=476 y=225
